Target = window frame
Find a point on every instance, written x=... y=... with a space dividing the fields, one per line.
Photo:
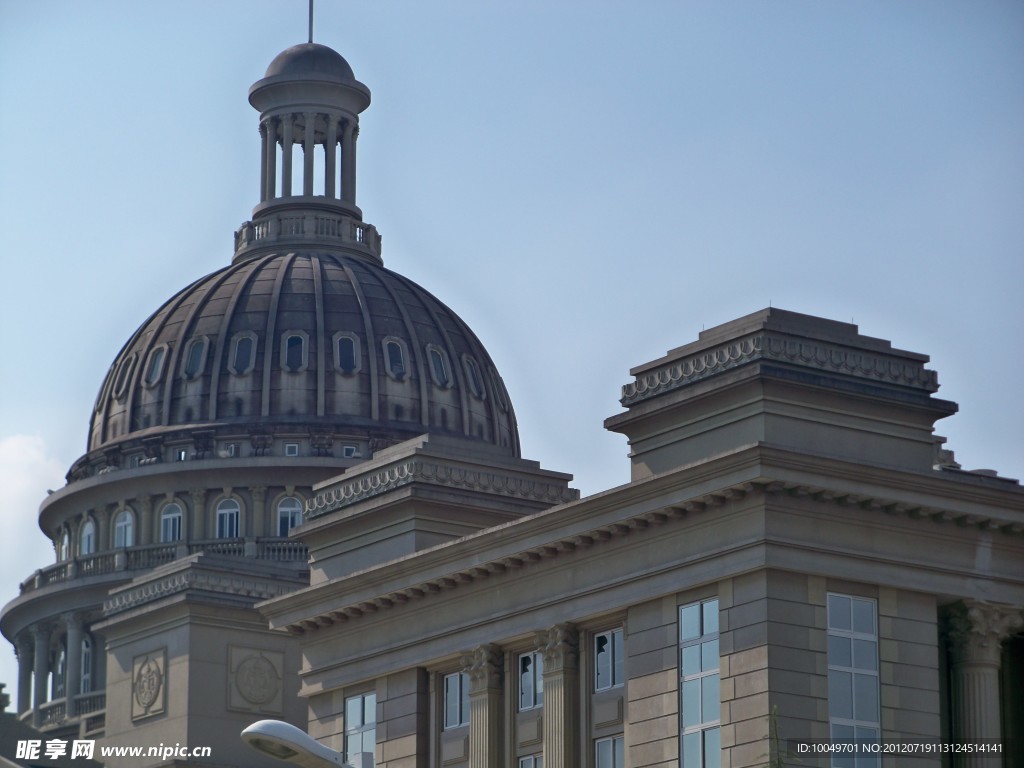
x=124 y=529
x=254 y=351
x=357 y=353
x=435 y=355
x=222 y=511
x=706 y=729
x=87 y=534
x=859 y=728
x=123 y=377
x=617 y=754
x=304 y=362
x=389 y=368
x=534 y=697
x=167 y=514
x=186 y=358
x=367 y=703
x=152 y=376
x=617 y=665
x=459 y=718
x=474 y=377
x=281 y=531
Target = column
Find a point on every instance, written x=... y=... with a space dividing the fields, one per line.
x=24 y=650
x=484 y=667
x=259 y=512
x=308 y=153
x=560 y=646
x=270 y=158
x=976 y=632
x=330 y=155
x=73 y=645
x=264 y=159
x=348 y=162
x=145 y=533
x=287 y=122
x=41 y=637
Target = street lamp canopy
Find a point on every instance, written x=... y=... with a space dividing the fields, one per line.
x=286 y=742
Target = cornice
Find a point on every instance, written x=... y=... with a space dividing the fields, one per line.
x=485 y=567
x=820 y=355
x=432 y=472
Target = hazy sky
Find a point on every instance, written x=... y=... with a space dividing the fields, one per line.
x=587 y=184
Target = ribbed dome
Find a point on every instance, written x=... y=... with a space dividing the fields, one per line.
x=303 y=342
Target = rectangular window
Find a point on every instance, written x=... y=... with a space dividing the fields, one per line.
x=608 y=668
x=531 y=680
x=361 y=729
x=291 y=449
x=456 y=700
x=531 y=761
x=610 y=753
x=700 y=700
x=853 y=691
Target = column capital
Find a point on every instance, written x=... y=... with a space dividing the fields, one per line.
x=976 y=630
x=484 y=667
x=560 y=646
x=258 y=492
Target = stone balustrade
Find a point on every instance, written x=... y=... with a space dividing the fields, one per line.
x=287 y=228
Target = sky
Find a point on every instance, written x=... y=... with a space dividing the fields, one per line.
x=587 y=183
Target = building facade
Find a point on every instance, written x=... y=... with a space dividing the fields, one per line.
x=303 y=499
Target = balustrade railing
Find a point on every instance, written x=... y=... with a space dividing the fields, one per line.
x=151 y=556
x=52 y=712
x=326 y=227
x=87 y=703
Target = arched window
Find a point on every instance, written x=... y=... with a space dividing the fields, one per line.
x=124 y=529
x=346 y=353
x=394 y=358
x=476 y=383
x=86 y=685
x=170 y=523
x=289 y=514
x=227 y=519
x=195 y=357
x=87 y=540
x=64 y=547
x=439 y=366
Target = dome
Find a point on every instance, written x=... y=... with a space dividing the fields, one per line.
x=308 y=343
x=306 y=59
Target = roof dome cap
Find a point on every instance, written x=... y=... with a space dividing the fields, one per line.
x=306 y=59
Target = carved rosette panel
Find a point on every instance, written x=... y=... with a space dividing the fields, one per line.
x=255 y=680
x=149 y=684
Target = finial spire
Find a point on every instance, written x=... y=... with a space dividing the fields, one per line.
x=311 y=21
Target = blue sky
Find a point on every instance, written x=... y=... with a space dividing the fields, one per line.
x=587 y=183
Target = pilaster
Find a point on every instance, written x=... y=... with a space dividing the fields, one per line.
x=484 y=667
x=560 y=646
x=73 y=646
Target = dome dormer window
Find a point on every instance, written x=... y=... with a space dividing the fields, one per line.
x=346 y=353
x=293 y=351
x=439 y=369
x=243 y=354
x=394 y=358
x=124 y=374
x=195 y=358
x=155 y=366
x=476 y=382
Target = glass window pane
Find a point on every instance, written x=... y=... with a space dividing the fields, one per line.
x=526 y=681
x=396 y=360
x=839 y=651
x=243 y=354
x=293 y=353
x=709 y=655
x=710 y=708
x=864 y=616
x=451 y=701
x=691 y=660
x=602 y=661
x=689 y=622
x=840 y=694
x=370 y=708
x=712 y=748
x=865 y=697
x=353 y=712
x=691 y=750
x=619 y=745
x=604 y=753
x=196 y=357
x=865 y=654
x=691 y=703
x=839 y=612
x=156 y=361
x=346 y=354
x=710 y=617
